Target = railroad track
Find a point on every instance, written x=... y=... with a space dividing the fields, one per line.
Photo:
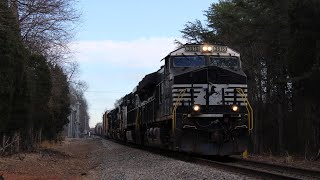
x=248 y=167
x=261 y=169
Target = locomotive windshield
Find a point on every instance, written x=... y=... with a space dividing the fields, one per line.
x=229 y=62
x=188 y=61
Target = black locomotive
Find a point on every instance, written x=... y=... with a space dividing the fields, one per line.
x=197 y=103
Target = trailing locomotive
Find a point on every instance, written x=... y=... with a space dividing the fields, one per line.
x=197 y=103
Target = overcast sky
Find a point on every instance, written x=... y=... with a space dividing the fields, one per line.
x=119 y=42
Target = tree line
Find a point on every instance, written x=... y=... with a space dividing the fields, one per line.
x=279 y=41
x=36 y=80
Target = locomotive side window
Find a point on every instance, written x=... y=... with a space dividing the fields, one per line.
x=229 y=62
x=188 y=61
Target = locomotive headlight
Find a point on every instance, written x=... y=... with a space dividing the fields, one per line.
x=205 y=48
x=196 y=107
x=209 y=48
x=235 y=108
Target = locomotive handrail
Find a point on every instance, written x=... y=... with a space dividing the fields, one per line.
x=248 y=107
x=181 y=94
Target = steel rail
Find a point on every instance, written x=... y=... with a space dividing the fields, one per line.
x=300 y=172
x=255 y=172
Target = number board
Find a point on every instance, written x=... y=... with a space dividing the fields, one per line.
x=219 y=48
x=192 y=48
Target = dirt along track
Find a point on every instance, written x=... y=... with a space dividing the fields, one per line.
x=69 y=160
x=96 y=158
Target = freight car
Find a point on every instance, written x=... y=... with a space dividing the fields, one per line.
x=196 y=102
x=98 y=129
x=105 y=125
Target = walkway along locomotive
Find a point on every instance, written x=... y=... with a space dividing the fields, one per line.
x=197 y=103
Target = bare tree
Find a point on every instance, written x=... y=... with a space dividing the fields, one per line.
x=72 y=70
x=47 y=26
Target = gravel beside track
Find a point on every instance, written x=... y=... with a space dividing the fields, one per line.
x=123 y=162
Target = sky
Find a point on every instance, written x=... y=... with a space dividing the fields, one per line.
x=119 y=42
